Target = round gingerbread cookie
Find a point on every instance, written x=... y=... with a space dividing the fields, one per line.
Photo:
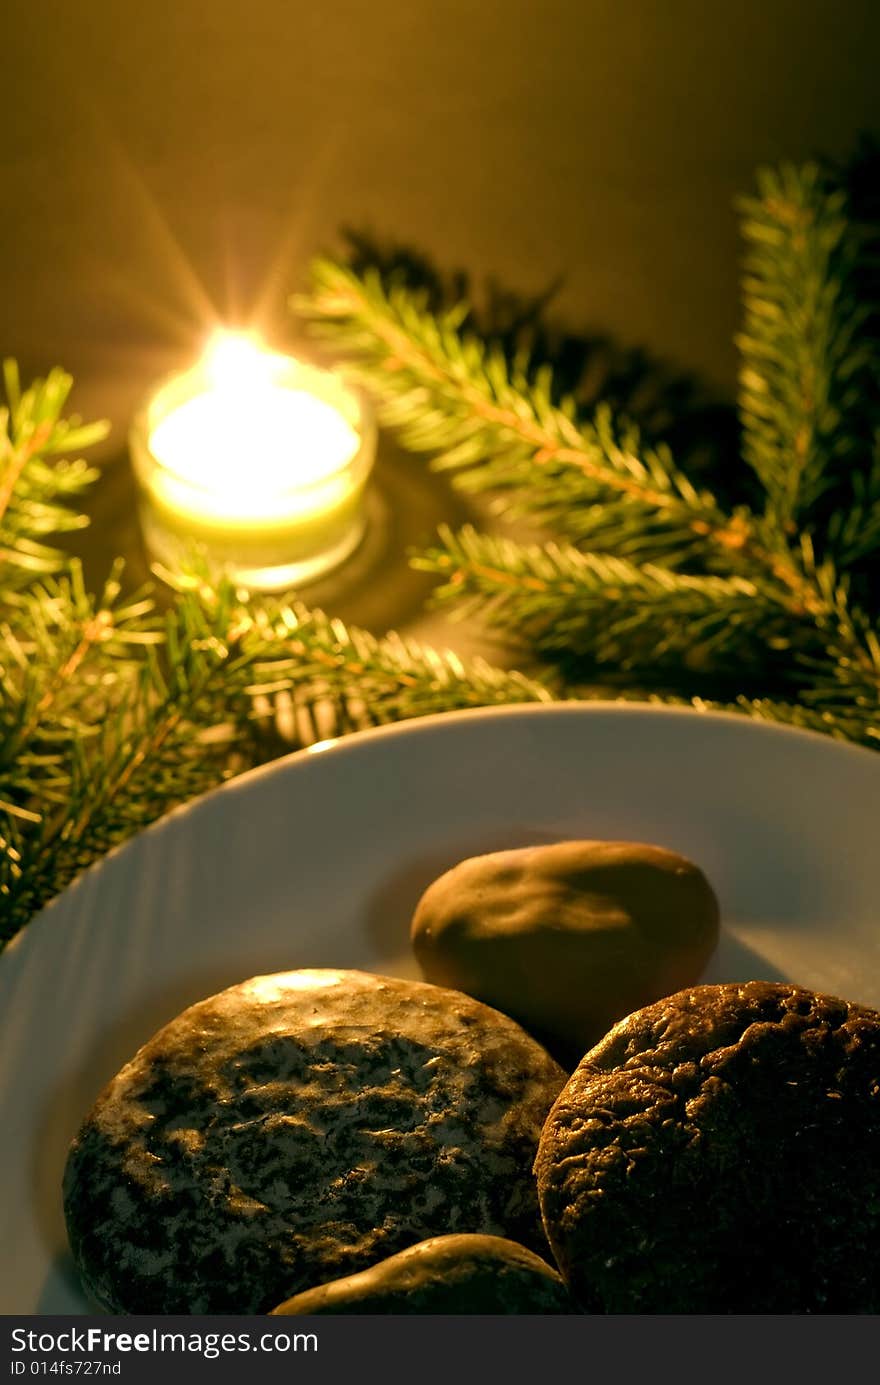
x=719 y=1152
x=297 y=1128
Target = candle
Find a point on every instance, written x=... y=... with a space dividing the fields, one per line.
x=257 y=460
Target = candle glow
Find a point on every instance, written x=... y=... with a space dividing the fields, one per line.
x=259 y=459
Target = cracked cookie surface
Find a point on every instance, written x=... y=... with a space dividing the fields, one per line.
x=297 y=1128
x=719 y=1151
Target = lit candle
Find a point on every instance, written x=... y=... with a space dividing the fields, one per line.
x=256 y=459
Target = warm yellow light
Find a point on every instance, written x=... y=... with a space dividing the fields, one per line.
x=235 y=360
x=265 y=989
x=248 y=438
x=257 y=457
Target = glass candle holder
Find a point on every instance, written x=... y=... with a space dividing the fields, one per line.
x=256 y=461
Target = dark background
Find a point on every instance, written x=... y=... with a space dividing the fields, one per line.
x=169 y=163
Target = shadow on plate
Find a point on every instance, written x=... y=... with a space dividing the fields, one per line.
x=734 y=960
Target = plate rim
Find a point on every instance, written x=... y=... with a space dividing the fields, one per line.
x=353 y=741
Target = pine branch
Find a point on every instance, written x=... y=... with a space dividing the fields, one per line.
x=852 y=532
x=34 y=491
x=451 y=394
x=843 y=720
x=564 y=603
x=498 y=426
x=505 y=430
x=373 y=681
x=618 y=612
x=174 y=705
x=803 y=354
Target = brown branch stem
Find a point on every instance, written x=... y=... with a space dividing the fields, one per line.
x=18 y=459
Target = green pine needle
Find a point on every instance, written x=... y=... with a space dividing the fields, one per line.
x=113 y=711
x=805 y=356
x=496 y=425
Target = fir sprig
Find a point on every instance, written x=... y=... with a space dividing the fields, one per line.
x=112 y=710
x=497 y=426
x=499 y=429
x=802 y=348
x=642 y=560
x=620 y=613
x=34 y=492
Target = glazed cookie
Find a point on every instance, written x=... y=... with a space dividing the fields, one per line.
x=719 y=1152
x=298 y=1128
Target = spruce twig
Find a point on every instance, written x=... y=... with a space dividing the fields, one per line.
x=111 y=712
x=34 y=491
x=452 y=395
x=618 y=612
x=171 y=704
x=803 y=354
x=747 y=581
x=495 y=426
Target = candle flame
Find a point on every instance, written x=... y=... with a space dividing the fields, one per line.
x=237 y=360
x=254 y=438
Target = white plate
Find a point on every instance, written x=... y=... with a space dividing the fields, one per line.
x=318 y=860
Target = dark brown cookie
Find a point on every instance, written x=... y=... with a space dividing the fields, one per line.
x=448 y=1274
x=719 y=1151
x=297 y=1128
